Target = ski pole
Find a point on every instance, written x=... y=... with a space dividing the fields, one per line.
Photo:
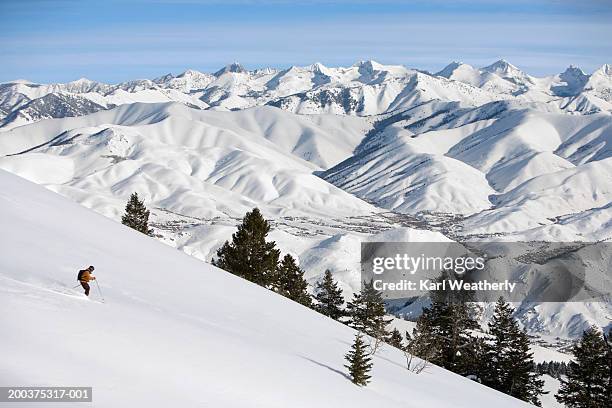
x=99 y=290
x=74 y=287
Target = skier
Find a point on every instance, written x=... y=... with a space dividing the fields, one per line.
x=84 y=277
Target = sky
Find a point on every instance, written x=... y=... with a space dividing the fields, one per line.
x=117 y=40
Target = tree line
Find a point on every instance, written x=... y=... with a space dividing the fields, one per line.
x=446 y=334
x=250 y=256
x=556 y=369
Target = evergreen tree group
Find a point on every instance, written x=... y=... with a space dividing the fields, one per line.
x=444 y=336
x=359 y=362
x=136 y=215
x=253 y=258
x=250 y=256
x=589 y=378
x=444 y=331
x=556 y=369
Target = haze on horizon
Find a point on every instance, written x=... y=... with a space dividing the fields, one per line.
x=113 y=41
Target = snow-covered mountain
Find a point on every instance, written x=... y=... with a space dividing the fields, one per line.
x=192 y=162
x=572 y=90
x=366 y=88
x=165 y=312
x=514 y=172
x=333 y=156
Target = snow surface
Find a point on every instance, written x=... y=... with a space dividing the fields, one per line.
x=174 y=331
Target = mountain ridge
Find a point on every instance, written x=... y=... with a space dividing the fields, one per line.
x=363 y=89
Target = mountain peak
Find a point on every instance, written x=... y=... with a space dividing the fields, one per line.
x=234 y=67
x=82 y=85
x=369 y=65
x=502 y=62
x=506 y=70
x=81 y=81
x=448 y=70
x=190 y=73
x=317 y=66
x=319 y=69
x=573 y=72
x=605 y=69
x=501 y=66
x=601 y=81
x=574 y=79
x=163 y=78
x=266 y=70
x=574 y=68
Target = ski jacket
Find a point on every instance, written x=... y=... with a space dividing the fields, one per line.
x=86 y=276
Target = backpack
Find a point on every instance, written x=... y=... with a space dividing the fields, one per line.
x=80 y=275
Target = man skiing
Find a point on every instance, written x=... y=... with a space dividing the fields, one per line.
x=84 y=277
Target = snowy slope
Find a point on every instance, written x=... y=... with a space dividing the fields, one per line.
x=514 y=172
x=174 y=331
x=193 y=162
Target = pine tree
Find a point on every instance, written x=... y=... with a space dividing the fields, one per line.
x=359 y=362
x=526 y=383
x=513 y=370
x=588 y=383
x=366 y=312
x=136 y=215
x=328 y=296
x=249 y=255
x=496 y=375
x=291 y=283
x=395 y=339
